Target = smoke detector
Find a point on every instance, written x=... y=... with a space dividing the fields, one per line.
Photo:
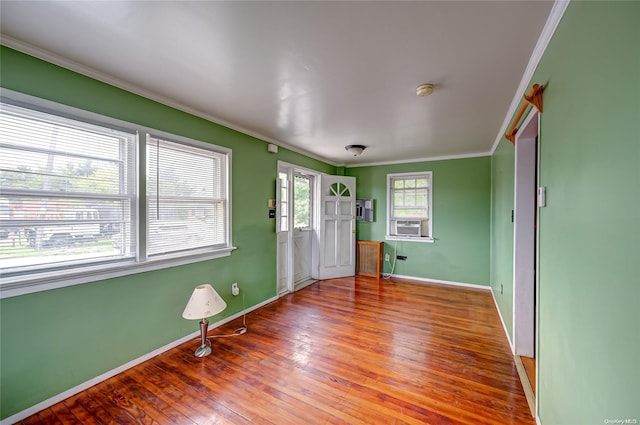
x=424 y=89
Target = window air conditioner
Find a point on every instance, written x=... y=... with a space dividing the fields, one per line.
x=408 y=228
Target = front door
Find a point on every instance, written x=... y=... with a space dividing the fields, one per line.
x=337 y=227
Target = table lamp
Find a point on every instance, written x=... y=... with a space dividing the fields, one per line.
x=204 y=302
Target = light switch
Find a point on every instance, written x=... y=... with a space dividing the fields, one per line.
x=542 y=197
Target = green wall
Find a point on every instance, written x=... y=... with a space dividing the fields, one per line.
x=589 y=273
x=52 y=341
x=461 y=208
x=589 y=284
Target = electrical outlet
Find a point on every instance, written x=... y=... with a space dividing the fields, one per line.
x=386 y=257
x=234 y=289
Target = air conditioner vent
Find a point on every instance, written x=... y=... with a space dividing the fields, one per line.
x=408 y=228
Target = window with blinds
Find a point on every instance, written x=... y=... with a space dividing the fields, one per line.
x=186 y=197
x=71 y=209
x=67 y=191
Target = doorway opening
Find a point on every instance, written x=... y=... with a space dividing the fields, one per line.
x=525 y=270
x=315 y=226
x=297 y=204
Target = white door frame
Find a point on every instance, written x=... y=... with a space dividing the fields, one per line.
x=284 y=268
x=290 y=169
x=525 y=236
x=526 y=242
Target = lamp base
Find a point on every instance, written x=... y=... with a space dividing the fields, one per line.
x=202 y=351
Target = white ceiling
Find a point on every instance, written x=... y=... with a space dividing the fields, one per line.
x=315 y=76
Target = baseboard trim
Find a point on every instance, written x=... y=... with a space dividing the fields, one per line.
x=504 y=326
x=443 y=282
x=91 y=382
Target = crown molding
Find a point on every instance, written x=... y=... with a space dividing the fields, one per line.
x=557 y=11
x=424 y=159
x=69 y=64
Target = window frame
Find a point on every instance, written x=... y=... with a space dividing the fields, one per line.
x=390 y=219
x=283 y=187
x=59 y=277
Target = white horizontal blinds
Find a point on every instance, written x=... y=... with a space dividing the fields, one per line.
x=186 y=197
x=410 y=195
x=67 y=190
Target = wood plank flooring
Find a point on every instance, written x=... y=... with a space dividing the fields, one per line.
x=529 y=364
x=342 y=351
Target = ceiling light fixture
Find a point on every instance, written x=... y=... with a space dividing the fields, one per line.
x=355 y=149
x=424 y=89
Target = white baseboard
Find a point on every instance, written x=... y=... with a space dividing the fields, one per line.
x=443 y=282
x=91 y=382
x=506 y=332
x=298 y=286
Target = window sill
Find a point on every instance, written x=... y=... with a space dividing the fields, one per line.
x=422 y=239
x=22 y=285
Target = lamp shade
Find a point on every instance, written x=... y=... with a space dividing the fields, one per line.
x=204 y=302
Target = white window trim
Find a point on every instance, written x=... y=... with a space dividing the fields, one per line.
x=422 y=239
x=54 y=279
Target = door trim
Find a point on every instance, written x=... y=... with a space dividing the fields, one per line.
x=526 y=340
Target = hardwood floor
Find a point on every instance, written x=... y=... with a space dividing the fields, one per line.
x=530 y=367
x=353 y=350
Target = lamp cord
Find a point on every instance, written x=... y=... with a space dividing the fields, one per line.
x=239 y=331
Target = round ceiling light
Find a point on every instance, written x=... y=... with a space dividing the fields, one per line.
x=424 y=89
x=355 y=149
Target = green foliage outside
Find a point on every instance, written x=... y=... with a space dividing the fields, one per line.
x=301 y=202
